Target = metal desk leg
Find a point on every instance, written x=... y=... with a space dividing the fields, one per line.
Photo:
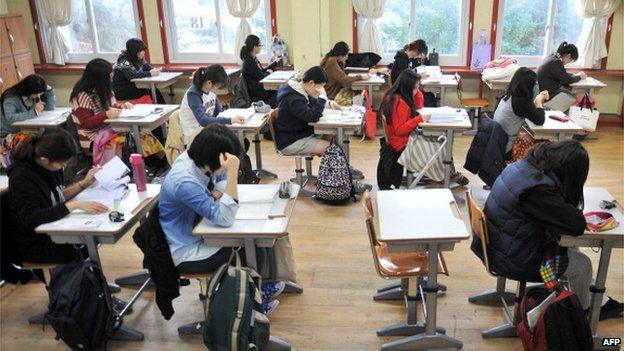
x=261 y=172
x=136 y=134
x=442 y=92
x=370 y=92
x=154 y=97
x=431 y=338
x=275 y=344
x=133 y=279
x=597 y=293
x=448 y=158
x=124 y=332
x=494 y=295
x=171 y=93
x=560 y=136
x=343 y=141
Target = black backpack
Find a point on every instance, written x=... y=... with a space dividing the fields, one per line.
x=246 y=175
x=80 y=307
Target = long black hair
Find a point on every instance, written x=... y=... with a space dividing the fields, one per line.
x=521 y=84
x=340 y=49
x=569 y=162
x=32 y=84
x=57 y=145
x=96 y=78
x=133 y=47
x=568 y=49
x=420 y=46
x=250 y=42
x=214 y=73
x=404 y=87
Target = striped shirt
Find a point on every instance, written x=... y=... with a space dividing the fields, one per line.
x=88 y=115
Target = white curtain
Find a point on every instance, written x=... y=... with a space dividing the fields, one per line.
x=57 y=13
x=371 y=10
x=592 y=47
x=242 y=9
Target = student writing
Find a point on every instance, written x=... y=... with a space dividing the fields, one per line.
x=130 y=65
x=253 y=72
x=411 y=56
x=338 y=82
x=552 y=76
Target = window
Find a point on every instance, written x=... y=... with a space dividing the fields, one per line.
x=443 y=24
x=99 y=28
x=205 y=31
x=531 y=29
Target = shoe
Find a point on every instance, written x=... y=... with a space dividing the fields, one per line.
x=360 y=188
x=611 y=309
x=579 y=137
x=459 y=179
x=271 y=290
x=269 y=307
x=356 y=174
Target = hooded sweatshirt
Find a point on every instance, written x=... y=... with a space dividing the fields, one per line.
x=402 y=61
x=124 y=71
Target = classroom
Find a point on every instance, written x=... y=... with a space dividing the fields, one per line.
x=312 y=175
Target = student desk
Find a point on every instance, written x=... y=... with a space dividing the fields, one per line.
x=449 y=129
x=252 y=233
x=369 y=84
x=606 y=241
x=333 y=122
x=163 y=80
x=72 y=230
x=446 y=81
x=588 y=85
x=554 y=127
x=422 y=220
x=46 y=120
x=135 y=125
x=253 y=126
x=4 y=184
x=276 y=79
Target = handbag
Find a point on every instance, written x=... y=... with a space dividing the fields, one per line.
x=370 y=117
x=584 y=114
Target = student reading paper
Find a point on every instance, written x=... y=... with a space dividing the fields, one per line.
x=131 y=64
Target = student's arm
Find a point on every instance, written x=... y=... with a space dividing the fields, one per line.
x=272 y=66
x=221 y=213
x=559 y=72
x=546 y=205
x=403 y=125
x=306 y=112
x=335 y=71
x=218 y=107
x=130 y=72
x=11 y=111
x=399 y=65
x=195 y=103
x=147 y=67
x=27 y=209
x=252 y=71
x=89 y=120
x=525 y=108
x=50 y=103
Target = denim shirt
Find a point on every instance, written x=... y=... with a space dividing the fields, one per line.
x=184 y=196
x=18 y=108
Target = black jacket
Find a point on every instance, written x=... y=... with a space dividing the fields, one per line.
x=486 y=156
x=253 y=73
x=552 y=76
x=151 y=239
x=124 y=71
x=402 y=61
x=295 y=112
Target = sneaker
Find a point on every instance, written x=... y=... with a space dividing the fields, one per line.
x=360 y=188
x=271 y=290
x=611 y=309
x=356 y=173
x=269 y=307
x=459 y=179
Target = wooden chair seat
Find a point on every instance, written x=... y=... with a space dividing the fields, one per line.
x=43 y=266
x=198 y=275
x=475 y=102
x=408 y=264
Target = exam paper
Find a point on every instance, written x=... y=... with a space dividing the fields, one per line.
x=232 y=112
x=108 y=177
x=138 y=111
x=257 y=194
x=254 y=210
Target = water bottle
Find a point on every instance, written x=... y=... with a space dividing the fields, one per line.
x=138 y=170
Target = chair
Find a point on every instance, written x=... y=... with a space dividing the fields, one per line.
x=473 y=105
x=390 y=265
x=203 y=278
x=300 y=178
x=46 y=268
x=478 y=225
x=174 y=146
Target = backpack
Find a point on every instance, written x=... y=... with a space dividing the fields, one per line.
x=246 y=175
x=234 y=319
x=334 y=184
x=80 y=308
x=562 y=326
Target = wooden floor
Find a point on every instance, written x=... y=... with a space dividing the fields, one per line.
x=336 y=310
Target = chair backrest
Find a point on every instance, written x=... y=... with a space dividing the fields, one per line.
x=174 y=146
x=369 y=215
x=478 y=225
x=272 y=121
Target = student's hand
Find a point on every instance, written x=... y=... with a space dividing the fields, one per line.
x=48 y=88
x=39 y=107
x=127 y=105
x=582 y=74
x=424 y=75
x=333 y=104
x=90 y=177
x=230 y=163
x=320 y=91
x=112 y=113
x=545 y=95
x=540 y=98
x=87 y=206
x=216 y=194
x=155 y=72
x=426 y=118
x=364 y=77
x=238 y=120
x=269 y=70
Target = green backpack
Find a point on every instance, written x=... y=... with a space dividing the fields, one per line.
x=234 y=319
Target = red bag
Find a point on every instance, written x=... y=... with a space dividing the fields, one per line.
x=370 y=117
x=145 y=99
x=585 y=102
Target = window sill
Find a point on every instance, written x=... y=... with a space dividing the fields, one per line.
x=172 y=67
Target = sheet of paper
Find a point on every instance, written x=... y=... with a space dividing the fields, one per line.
x=54 y=115
x=138 y=111
x=433 y=71
x=533 y=315
x=257 y=194
x=280 y=75
x=256 y=210
x=111 y=171
x=442 y=114
x=231 y=112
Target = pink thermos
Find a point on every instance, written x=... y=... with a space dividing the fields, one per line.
x=138 y=170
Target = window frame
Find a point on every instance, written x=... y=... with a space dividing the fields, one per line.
x=44 y=32
x=466 y=26
x=176 y=57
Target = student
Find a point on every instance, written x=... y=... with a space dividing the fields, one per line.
x=518 y=104
x=38 y=195
x=131 y=64
x=25 y=100
x=411 y=56
x=542 y=195
x=338 y=82
x=200 y=105
x=253 y=72
x=552 y=76
x=203 y=183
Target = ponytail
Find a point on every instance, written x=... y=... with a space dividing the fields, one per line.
x=340 y=49
x=250 y=42
x=55 y=145
x=567 y=49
